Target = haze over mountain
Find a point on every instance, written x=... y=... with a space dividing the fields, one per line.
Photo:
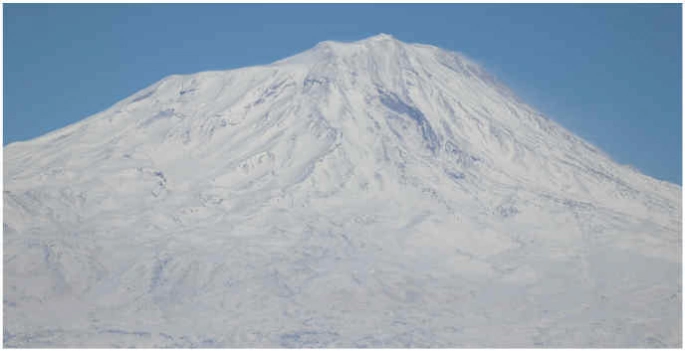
x=366 y=194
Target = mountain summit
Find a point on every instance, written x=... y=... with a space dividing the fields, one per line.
x=365 y=194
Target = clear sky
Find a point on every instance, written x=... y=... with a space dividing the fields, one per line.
x=610 y=73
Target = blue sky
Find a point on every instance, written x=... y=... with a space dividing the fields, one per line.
x=610 y=73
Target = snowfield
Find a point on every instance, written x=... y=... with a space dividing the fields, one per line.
x=365 y=194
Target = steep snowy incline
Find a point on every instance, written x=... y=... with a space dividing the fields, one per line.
x=374 y=87
x=373 y=193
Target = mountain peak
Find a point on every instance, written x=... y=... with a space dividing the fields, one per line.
x=378 y=45
x=380 y=37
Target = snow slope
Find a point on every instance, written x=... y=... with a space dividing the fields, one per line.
x=365 y=194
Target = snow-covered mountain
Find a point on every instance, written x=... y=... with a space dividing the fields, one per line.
x=365 y=194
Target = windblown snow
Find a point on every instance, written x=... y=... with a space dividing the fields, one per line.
x=365 y=194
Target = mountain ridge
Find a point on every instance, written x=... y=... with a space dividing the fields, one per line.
x=364 y=186
x=381 y=37
x=372 y=42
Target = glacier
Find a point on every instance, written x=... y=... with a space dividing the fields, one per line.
x=361 y=194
